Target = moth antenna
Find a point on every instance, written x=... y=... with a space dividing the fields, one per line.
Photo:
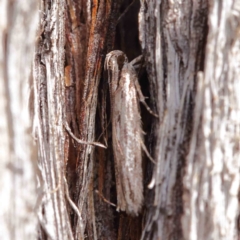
x=138 y=63
x=125 y=11
x=137 y=60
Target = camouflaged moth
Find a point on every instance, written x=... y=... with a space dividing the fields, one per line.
x=127 y=139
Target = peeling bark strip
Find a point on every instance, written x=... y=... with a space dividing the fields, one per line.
x=89 y=34
x=127 y=131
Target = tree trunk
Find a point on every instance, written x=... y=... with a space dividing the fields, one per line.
x=191 y=51
x=18 y=165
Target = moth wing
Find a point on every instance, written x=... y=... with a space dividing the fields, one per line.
x=127 y=138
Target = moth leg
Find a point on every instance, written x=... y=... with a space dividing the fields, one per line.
x=136 y=62
x=142 y=99
x=147 y=153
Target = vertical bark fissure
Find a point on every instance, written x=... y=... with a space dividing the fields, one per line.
x=175 y=77
x=187 y=140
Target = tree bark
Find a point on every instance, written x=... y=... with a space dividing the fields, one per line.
x=18 y=165
x=74 y=37
x=191 y=51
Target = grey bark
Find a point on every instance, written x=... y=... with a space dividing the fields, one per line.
x=192 y=48
x=67 y=69
x=18 y=165
x=191 y=51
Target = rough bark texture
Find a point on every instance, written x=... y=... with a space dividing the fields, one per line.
x=18 y=166
x=191 y=49
x=211 y=181
x=73 y=40
x=49 y=120
x=192 y=55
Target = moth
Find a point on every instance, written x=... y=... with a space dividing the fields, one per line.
x=127 y=133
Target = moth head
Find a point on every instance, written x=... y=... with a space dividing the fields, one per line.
x=121 y=60
x=115 y=60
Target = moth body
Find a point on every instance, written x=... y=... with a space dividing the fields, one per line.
x=126 y=132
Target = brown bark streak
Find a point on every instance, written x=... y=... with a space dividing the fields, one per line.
x=192 y=107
